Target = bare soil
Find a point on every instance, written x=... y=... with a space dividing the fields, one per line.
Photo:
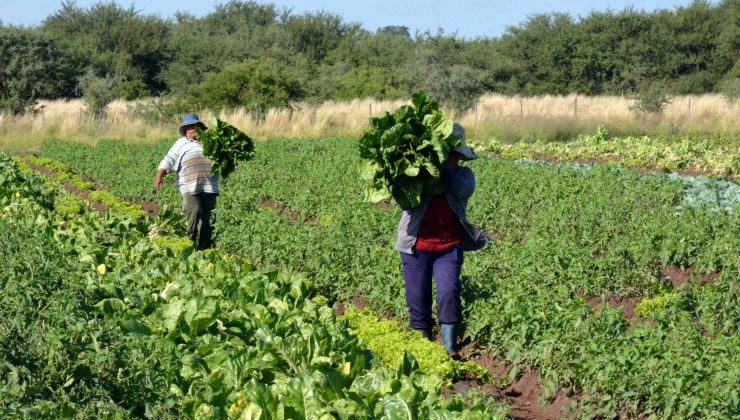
x=383 y=205
x=150 y=206
x=627 y=304
x=522 y=395
x=680 y=275
x=281 y=208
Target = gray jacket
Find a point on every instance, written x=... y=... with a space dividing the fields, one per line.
x=460 y=185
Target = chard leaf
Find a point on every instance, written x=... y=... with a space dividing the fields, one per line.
x=136 y=327
x=111 y=305
x=396 y=408
x=402 y=153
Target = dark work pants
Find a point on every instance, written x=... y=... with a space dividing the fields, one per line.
x=417 y=275
x=197 y=209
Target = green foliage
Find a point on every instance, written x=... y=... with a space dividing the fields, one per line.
x=690 y=49
x=649 y=305
x=113 y=42
x=390 y=343
x=130 y=329
x=178 y=244
x=226 y=146
x=730 y=85
x=66 y=360
x=652 y=98
x=32 y=66
x=403 y=153
x=715 y=194
x=118 y=205
x=459 y=84
x=731 y=89
x=601 y=135
x=67 y=205
x=61 y=172
x=166 y=109
x=712 y=155
x=560 y=232
x=316 y=34
x=104 y=162
x=97 y=93
x=716 y=306
x=251 y=84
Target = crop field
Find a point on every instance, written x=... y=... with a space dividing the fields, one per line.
x=609 y=284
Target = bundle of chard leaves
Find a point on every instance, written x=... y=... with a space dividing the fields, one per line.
x=225 y=145
x=402 y=153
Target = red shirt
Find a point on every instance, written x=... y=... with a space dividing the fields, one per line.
x=440 y=229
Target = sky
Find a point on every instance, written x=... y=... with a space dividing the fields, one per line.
x=467 y=18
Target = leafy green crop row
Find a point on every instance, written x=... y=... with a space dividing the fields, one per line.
x=559 y=233
x=713 y=193
x=63 y=203
x=63 y=173
x=670 y=154
x=103 y=323
x=389 y=341
x=125 y=169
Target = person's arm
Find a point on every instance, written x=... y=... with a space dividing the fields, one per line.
x=167 y=165
x=161 y=172
x=460 y=181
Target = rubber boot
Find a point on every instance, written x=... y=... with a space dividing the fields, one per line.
x=449 y=339
x=427 y=333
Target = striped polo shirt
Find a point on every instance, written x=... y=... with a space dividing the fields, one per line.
x=192 y=168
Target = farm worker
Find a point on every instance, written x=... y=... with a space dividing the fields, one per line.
x=193 y=177
x=431 y=240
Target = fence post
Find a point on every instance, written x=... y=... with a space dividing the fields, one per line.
x=689 y=106
x=476 y=114
x=575 y=108
x=370 y=106
x=521 y=108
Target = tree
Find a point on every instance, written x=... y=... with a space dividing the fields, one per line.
x=31 y=67
x=232 y=33
x=252 y=84
x=113 y=42
x=97 y=92
x=440 y=72
x=317 y=34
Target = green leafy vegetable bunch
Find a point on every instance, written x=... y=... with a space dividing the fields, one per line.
x=402 y=153
x=225 y=145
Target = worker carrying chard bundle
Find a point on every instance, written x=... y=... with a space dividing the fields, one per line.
x=198 y=186
x=431 y=239
x=412 y=156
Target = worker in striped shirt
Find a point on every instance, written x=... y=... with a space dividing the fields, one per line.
x=193 y=177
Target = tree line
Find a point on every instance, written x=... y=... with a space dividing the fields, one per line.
x=255 y=55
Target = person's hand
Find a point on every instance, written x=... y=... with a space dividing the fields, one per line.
x=158 y=179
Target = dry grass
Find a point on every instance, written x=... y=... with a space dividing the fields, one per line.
x=504 y=117
x=562 y=117
x=329 y=119
x=67 y=120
